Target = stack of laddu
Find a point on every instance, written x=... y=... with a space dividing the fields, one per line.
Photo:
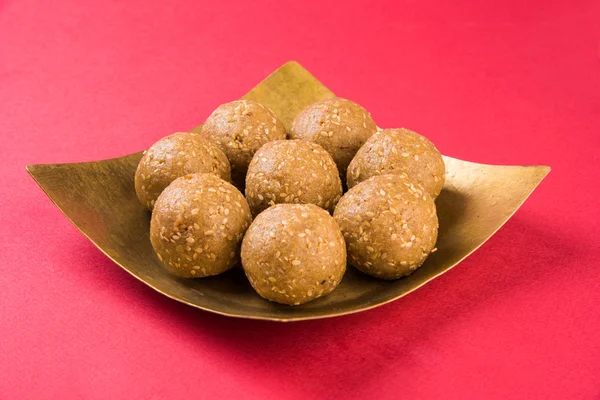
x=295 y=229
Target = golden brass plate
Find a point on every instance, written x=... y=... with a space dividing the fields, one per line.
x=99 y=198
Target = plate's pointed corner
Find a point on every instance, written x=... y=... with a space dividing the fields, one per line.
x=546 y=169
x=541 y=173
x=32 y=170
x=293 y=67
x=292 y=64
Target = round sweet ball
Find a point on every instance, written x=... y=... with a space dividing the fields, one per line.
x=292 y=171
x=340 y=126
x=240 y=128
x=198 y=224
x=294 y=253
x=401 y=152
x=390 y=226
x=174 y=156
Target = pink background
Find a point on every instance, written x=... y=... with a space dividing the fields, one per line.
x=503 y=82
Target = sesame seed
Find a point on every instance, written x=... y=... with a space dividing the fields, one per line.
x=175 y=237
x=195 y=211
x=296 y=262
x=272 y=279
x=226 y=211
x=190 y=240
x=394 y=236
x=382 y=192
x=209 y=232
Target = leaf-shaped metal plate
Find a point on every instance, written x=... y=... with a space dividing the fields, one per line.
x=99 y=198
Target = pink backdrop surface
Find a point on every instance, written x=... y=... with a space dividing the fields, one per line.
x=508 y=82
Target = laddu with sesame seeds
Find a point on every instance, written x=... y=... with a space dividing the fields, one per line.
x=339 y=125
x=240 y=128
x=401 y=152
x=292 y=171
x=174 y=156
x=196 y=231
x=294 y=253
x=390 y=226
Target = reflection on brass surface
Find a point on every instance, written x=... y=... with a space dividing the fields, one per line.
x=99 y=198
